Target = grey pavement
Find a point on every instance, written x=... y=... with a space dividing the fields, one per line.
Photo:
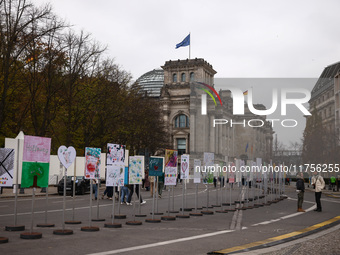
x=196 y=235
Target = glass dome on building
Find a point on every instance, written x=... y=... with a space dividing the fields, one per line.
x=152 y=82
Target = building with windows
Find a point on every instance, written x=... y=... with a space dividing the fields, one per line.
x=325 y=98
x=194 y=134
x=325 y=102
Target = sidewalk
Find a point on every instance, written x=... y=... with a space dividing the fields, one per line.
x=8 y=192
x=326 y=191
x=52 y=190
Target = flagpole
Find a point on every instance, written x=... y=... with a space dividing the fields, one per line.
x=189 y=44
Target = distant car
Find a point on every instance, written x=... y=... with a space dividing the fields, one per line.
x=82 y=185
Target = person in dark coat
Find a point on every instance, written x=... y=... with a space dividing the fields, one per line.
x=300 y=189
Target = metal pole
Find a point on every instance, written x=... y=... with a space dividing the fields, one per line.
x=157 y=194
x=113 y=205
x=113 y=197
x=140 y=200
x=173 y=198
x=221 y=187
x=46 y=204
x=134 y=203
x=253 y=189
x=189 y=45
x=74 y=186
x=216 y=189
x=231 y=190
x=226 y=190
x=91 y=192
x=64 y=198
x=97 y=198
x=276 y=189
x=247 y=189
x=207 y=196
x=196 y=197
x=153 y=198
x=240 y=188
x=258 y=192
x=271 y=187
x=16 y=184
x=169 y=201
x=32 y=212
x=265 y=189
x=183 y=196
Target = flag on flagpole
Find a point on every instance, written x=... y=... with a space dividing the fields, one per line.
x=185 y=42
x=247 y=147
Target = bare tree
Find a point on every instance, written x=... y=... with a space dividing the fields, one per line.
x=17 y=20
x=83 y=56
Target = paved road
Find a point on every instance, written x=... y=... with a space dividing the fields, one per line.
x=196 y=235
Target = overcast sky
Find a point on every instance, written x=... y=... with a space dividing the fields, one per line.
x=241 y=39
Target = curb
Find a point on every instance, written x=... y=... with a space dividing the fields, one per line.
x=30 y=195
x=331 y=195
x=280 y=239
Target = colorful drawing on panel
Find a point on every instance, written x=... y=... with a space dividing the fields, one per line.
x=115 y=175
x=6 y=167
x=184 y=167
x=170 y=175
x=171 y=158
x=208 y=159
x=36 y=162
x=92 y=163
x=197 y=172
x=66 y=155
x=136 y=169
x=36 y=149
x=156 y=166
x=115 y=154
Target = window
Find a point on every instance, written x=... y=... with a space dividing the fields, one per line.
x=183 y=77
x=174 y=77
x=181 y=146
x=192 y=77
x=181 y=121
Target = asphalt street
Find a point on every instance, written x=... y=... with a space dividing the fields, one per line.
x=194 y=235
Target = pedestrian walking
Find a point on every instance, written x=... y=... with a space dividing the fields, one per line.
x=124 y=195
x=95 y=190
x=152 y=179
x=147 y=182
x=108 y=192
x=131 y=191
x=318 y=185
x=300 y=189
x=333 y=181
x=160 y=185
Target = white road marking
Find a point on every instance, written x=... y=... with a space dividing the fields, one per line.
x=303 y=200
x=162 y=243
x=284 y=217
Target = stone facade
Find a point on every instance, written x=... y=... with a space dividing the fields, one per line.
x=325 y=98
x=181 y=103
